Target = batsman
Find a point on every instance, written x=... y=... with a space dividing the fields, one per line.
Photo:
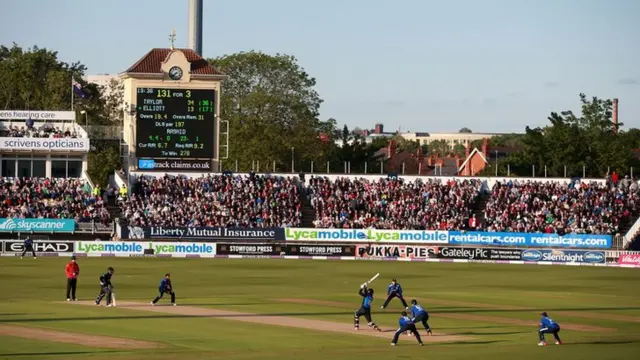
x=106 y=288
x=365 y=308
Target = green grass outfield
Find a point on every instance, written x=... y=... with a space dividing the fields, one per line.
x=494 y=307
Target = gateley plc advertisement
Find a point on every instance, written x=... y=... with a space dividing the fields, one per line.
x=368 y=235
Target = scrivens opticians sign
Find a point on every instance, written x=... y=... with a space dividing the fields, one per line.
x=44 y=144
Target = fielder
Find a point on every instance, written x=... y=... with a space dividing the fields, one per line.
x=365 y=308
x=165 y=288
x=421 y=315
x=548 y=326
x=28 y=247
x=394 y=290
x=406 y=325
x=106 y=288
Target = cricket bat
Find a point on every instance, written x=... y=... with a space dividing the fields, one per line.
x=373 y=278
x=113 y=299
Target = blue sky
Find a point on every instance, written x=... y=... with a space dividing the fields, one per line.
x=435 y=66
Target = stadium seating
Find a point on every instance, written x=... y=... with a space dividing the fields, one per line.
x=229 y=201
x=392 y=203
x=51 y=198
x=44 y=131
x=550 y=207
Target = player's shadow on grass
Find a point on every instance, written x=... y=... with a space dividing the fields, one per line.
x=58 y=353
x=474 y=333
x=470 y=327
x=498 y=309
x=172 y=316
x=467 y=343
x=14 y=314
x=602 y=342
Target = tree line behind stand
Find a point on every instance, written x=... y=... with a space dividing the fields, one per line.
x=273 y=108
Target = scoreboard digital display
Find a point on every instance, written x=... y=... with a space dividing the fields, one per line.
x=175 y=123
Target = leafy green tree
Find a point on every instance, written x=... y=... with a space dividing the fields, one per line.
x=459 y=150
x=465 y=130
x=272 y=107
x=587 y=141
x=112 y=95
x=439 y=147
x=104 y=158
x=35 y=79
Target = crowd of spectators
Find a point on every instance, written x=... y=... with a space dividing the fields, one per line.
x=390 y=203
x=44 y=131
x=552 y=207
x=210 y=201
x=51 y=199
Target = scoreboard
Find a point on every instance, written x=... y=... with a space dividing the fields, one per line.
x=175 y=123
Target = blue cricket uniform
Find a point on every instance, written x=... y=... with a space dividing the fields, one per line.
x=394 y=290
x=165 y=288
x=406 y=324
x=548 y=326
x=420 y=315
x=365 y=309
x=27 y=246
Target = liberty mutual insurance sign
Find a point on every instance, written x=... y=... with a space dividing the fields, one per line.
x=201 y=233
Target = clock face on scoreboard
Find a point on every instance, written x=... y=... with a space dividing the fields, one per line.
x=175 y=123
x=175 y=73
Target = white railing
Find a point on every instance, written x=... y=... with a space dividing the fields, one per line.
x=631 y=234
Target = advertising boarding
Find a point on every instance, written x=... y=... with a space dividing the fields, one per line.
x=396 y=252
x=44 y=144
x=42 y=248
x=37 y=225
x=629 y=259
x=201 y=233
x=524 y=255
x=455 y=238
x=139 y=249
x=530 y=240
x=368 y=235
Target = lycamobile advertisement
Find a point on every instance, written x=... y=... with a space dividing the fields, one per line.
x=177 y=249
x=368 y=235
x=564 y=256
x=184 y=249
x=111 y=247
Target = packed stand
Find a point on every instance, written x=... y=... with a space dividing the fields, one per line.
x=552 y=207
x=44 y=131
x=227 y=201
x=51 y=199
x=389 y=203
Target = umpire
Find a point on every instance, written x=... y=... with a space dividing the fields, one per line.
x=72 y=270
x=28 y=247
